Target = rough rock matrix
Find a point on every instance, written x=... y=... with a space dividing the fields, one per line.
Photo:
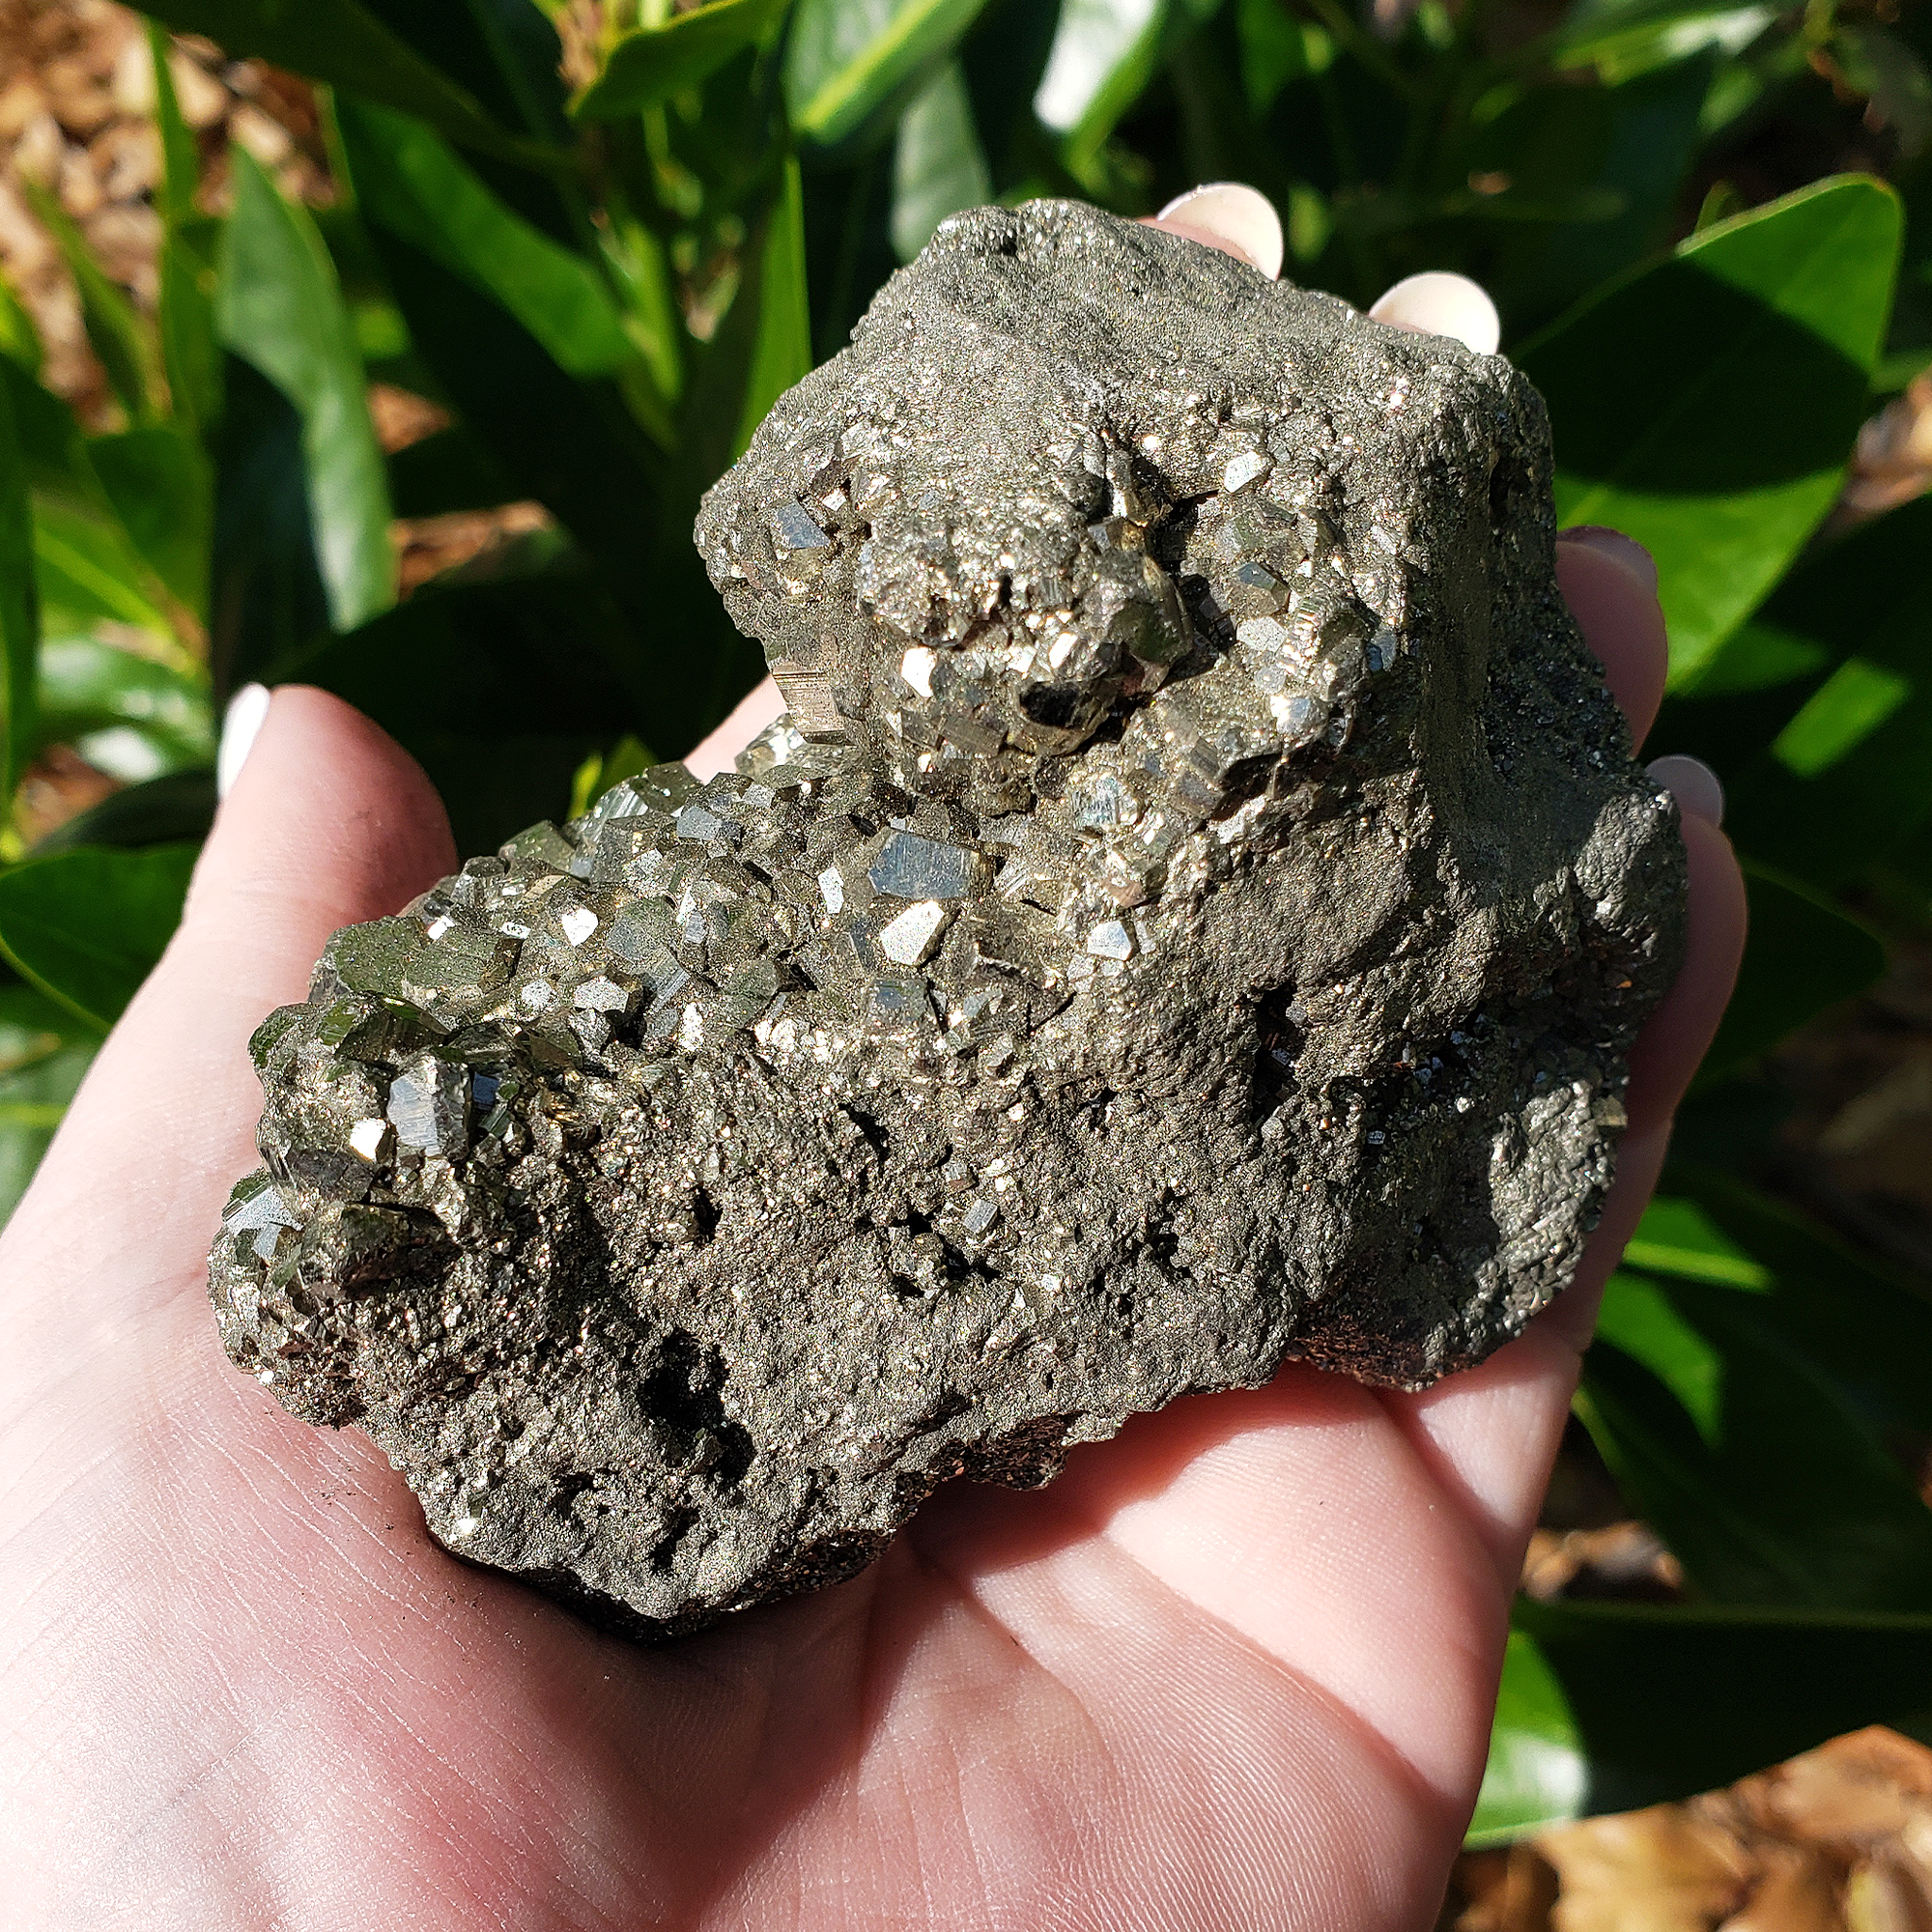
x=1194 y=916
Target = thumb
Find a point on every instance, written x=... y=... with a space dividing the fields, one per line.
x=329 y=822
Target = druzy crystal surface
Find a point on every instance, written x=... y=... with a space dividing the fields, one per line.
x=1193 y=916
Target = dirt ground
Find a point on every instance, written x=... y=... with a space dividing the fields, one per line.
x=1837 y=1840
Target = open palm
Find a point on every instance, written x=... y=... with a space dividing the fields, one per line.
x=1232 y=1669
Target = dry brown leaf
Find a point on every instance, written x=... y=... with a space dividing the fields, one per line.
x=1659 y=1870
x=1798 y=1892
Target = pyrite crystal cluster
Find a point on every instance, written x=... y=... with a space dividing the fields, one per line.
x=1193 y=916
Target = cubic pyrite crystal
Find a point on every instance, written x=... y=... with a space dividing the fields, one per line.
x=1193 y=916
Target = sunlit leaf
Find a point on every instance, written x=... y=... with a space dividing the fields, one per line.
x=118 y=333
x=652 y=63
x=1818 y=714
x=1741 y=1451
x=1708 y=405
x=189 y=354
x=408 y=180
x=87 y=927
x=1607 y=1707
x=280 y=308
x=846 y=59
x=781 y=347
x=90 y=687
x=938 y=165
x=1104 y=54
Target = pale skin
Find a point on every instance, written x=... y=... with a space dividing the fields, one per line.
x=1233 y=1670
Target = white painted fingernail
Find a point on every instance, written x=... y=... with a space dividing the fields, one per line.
x=239 y=725
x=1437 y=303
x=1232 y=211
x=1696 y=787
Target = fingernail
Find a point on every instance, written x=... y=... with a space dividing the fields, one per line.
x=1437 y=302
x=241 y=723
x=1696 y=787
x=1233 y=213
x=1618 y=546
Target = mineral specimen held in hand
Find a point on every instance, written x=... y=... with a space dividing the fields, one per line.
x=1193 y=916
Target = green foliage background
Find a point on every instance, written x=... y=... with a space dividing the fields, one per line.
x=607 y=287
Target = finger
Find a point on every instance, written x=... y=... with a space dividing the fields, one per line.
x=1609 y=583
x=1232 y=216
x=1437 y=302
x=329 y=822
x=714 y=753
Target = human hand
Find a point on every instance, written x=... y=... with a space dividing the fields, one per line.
x=1234 y=1669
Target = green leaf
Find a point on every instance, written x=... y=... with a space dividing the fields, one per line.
x=348 y=45
x=1739 y=1450
x=847 y=59
x=938 y=164
x=407 y=179
x=1818 y=714
x=19 y=339
x=1804 y=954
x=20 y=610
x=119 y=334
x=176 y=809
x=1537 y=1769
x=1606 y=1707
x=189 y=355
x=781 y=347
x=1630 y=145
x=1104 y=54
x=1660 y=397
x=158 y=482
x=91 y=689
x=87 y=928
x=280 y=308
x=43 y=1053
x=652 y=63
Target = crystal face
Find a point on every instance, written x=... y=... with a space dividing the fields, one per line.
x=1193 y=916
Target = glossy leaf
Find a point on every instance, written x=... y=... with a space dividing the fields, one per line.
x=782 y=346
x=408 y=180
x=86 y=928
x=90 y=688
x=1606 y=1707
x=280 y=308
x=652 y=63
x=189 y=354
x=1819 y=713
x=158 y=482
x=118 y=333
x=349 y=46
x=1804 y=954
x=938 y=165
x=173 y=810
x=1657 y=394
x=847 y=59
x=19 y=608
x=43 y=1053
x=20 y=338
x=1104 y=54
x=1741 y=1453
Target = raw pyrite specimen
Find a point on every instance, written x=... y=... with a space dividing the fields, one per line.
x=1193 y=917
